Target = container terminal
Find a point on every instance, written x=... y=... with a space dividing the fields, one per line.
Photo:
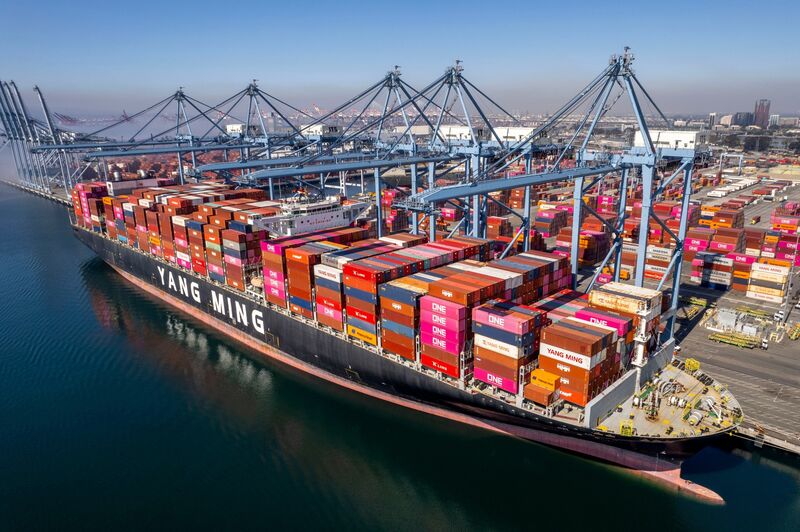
x=525 y=279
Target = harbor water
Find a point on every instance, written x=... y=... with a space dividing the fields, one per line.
x=118 y=412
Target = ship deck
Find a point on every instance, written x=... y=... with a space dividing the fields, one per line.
x=669 y=417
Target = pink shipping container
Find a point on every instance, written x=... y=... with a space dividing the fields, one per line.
x=439 y=343
x=443 y=321
x=445 y=308
x=500 y=382
x=322 y=310
x=435 y=331
x=620 y=324
x=514 y=323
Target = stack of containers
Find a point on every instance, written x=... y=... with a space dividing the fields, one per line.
x=768 y=282
x=506 y=338
x=328 y=279
x=741 y=270
x=404 y=240
x=400 y=310
x=212 y=235
x=582 y=354
x=727 y=218
x=753 y=241
x=153 y=233
x=497 y=226
x=543 y=388
x=362 y=278
x=712 y=270
x=446 y=316
x=300 y=262
x=273 y=257
x=549 y=220
x=108 y=217
x=241 y=253
x=87 y=200
x=697 y=240
x=784 y=223
x=183 y=250
x=197 y=244
x=560 y=305
x=657 y=261
x=727 y=240
x=642 y=305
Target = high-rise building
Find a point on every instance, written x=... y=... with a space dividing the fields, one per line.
x=743 y=119
x=774 y=120
x=712 y=120
x=761 y=114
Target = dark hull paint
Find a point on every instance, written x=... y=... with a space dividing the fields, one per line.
x=345 y=359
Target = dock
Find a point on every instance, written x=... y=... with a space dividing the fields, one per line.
x=57 y=195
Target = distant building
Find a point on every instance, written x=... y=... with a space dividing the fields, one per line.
x=712 y=120
x=726 y=120
x=761 y=114
x=788 y=121
x=674 y=139
x=743 y=119
x=774 y=120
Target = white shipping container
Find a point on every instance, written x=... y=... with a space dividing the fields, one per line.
x=764 y=297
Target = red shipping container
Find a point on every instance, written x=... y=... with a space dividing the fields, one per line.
x=440 y=366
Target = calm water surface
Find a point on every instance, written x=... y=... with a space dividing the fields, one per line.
x=119 y=412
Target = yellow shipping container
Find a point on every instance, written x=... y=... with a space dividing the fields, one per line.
x=766 y=291
x=545 y=379
x=362 y=335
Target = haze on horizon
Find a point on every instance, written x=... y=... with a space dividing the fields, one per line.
x=92 y=57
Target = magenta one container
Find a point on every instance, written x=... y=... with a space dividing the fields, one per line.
x=620 y=324
x=448 y=335
x=445 y=308
x=454 y=348
x=495 y=380
x=443 y=321
x=500 y=319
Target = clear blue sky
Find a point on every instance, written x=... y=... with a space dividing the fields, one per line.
x=693 y=56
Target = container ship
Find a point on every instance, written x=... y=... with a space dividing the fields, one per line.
x=445 y=327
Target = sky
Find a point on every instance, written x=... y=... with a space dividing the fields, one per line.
x=92 y=57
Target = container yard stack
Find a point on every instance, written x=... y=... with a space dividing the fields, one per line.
x=768 y=282
x=506 y=339
x=742 y=263
x=712 y=270
x=698 y=239
x=753 y=241
x=549 y=220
